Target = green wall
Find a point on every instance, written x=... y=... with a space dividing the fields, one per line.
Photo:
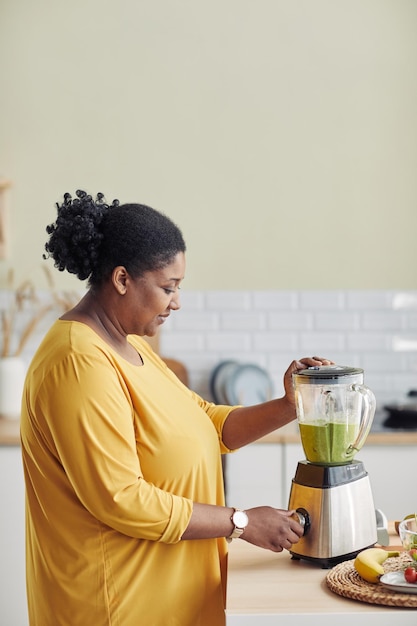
x=281 y=135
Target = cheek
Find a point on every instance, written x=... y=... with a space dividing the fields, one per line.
x=156 y=304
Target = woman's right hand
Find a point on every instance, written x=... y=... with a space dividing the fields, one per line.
x=272 y=529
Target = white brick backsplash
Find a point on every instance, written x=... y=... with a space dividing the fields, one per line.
x=193 y=320
x=369 y=300
x=249 y=356
x=404 y=343
x=228 y=300
x=192 y=300
x=179 y=342
x=272 y=341
x=411 y=322
x=383 y=321
x=374 y=363
x=267 y=300
x=375 y=330
x=318 y=343
x=353 y=359
x=244 y=320
x=322 y=300
x=369 y=341
x=337 y=321
x=401 y=383
x=228 y=341
x=290 y=321
x=404 y=300
x=279 y=361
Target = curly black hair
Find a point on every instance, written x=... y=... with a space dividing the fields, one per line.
x=90 y=238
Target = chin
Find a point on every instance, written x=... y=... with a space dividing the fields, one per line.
x=151 y=331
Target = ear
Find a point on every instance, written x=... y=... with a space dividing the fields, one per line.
x=119 y=279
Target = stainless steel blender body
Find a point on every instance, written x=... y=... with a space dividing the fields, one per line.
x=331 y=489
x=339 y=512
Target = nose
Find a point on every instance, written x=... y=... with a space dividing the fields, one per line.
x=175 y=303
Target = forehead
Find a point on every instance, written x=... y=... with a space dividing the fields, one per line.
x=174 y=271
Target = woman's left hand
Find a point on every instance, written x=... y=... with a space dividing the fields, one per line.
x=296 y=366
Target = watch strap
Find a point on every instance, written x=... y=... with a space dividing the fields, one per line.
x=237 y=530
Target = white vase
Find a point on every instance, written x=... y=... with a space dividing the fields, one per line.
x=12 y=379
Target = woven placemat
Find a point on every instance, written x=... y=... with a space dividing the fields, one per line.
x=344 y=580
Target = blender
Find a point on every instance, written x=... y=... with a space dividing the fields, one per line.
x=331 y=491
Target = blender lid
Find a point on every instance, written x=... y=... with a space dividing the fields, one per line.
x=328 y=374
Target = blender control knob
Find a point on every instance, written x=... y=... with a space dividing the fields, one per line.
x=303 y=518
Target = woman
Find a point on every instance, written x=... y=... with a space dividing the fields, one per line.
x=126 y=521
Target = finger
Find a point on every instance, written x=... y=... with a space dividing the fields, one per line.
x=314 y=360
x=322 y=359
x=288 y=543
x=296 y=528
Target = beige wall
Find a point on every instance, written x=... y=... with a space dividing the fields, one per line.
x=281 y=135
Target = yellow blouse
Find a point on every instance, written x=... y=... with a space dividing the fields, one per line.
x=114 y=455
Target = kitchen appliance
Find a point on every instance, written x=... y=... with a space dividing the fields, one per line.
x=404 y=415
x=331 y=491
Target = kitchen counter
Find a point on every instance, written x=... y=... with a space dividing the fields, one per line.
x=9 y=435
x=267 y=588
x=9 y=432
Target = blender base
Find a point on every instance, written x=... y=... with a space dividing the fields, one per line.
x=338 y=504
x=328 y=563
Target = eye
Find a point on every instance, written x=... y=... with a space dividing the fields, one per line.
x=169 y=290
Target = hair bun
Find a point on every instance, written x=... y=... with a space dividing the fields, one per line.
x=75 y=236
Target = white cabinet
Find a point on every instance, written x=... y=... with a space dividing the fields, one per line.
x=389 y=472
x=261 y=473
x=253 y=476
x=400 y=617
x=291 y=454
x=13 y=610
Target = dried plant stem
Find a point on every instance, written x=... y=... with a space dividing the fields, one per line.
x=7 y=333
x=24 y=294
x=29 y=329
x=49 y=278
x=8 y=320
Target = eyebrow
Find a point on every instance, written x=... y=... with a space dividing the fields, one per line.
x=174 y=280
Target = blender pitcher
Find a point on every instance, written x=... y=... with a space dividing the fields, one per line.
x=335 y=412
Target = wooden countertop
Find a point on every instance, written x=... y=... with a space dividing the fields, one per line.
x=9 y=432
x=9 y=435
x=265 y=584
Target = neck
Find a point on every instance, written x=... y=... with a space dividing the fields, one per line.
x=94 y=311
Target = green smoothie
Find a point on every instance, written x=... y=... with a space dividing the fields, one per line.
x=328 y=442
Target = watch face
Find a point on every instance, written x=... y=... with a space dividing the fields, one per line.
x=240 y=519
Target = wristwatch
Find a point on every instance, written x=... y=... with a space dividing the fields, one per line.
x=240 y=521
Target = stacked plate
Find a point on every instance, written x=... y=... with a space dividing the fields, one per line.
x=235 y=383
